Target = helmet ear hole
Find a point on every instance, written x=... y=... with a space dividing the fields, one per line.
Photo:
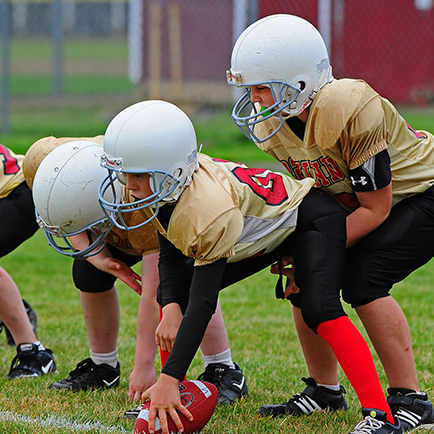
x=122 y=178
x=302 y=85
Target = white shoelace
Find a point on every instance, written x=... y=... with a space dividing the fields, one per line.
x=367 y=426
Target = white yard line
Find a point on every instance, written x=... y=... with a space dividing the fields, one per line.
x=74 y=426
x=425 y=427
x=61 y=422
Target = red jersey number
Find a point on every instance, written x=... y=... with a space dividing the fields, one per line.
x=267 y=185
x=10 y=164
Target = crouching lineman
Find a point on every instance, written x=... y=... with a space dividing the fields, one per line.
x=65 y=174
x=219 y=222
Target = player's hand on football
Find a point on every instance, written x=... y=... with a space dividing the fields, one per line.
x=165 y=402
x=141 y=378
x=167 y=329
x=287 y=266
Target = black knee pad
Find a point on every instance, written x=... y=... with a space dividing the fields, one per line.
x=318 y=266
x=88 y=278
x=356 y=299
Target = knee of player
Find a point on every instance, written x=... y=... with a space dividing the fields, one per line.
x=314 y=319
x=319 y=305
x=357 y=297
x=89 y=285
x=314 y=314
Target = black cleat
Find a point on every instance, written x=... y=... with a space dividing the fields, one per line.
x=230 y=383
x=32 y=318
x=30 y=362
x=88 y=375
x=313 y=398
x=375 y=422
x=413 y=409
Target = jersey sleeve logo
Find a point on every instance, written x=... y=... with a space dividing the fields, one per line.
x=10 y=163
x=361 y=180
x=267 y=185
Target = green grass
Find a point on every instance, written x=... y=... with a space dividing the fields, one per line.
x=262 y=340
x=260 y=328
x=29 y=124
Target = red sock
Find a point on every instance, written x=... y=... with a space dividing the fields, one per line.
x=164 y=355
x=352 y=353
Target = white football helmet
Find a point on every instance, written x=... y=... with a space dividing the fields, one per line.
x=285 y=53
x=65 y=194
x=154 y=137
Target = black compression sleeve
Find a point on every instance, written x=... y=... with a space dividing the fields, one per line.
x=202 y=302
x=372 y=175
x=174 y=274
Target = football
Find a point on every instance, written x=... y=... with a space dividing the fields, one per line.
x=199 y=397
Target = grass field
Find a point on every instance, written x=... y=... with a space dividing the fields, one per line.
x=260 y=328
x=262 y=339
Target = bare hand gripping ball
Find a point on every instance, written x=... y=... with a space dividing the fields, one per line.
x=199 y=397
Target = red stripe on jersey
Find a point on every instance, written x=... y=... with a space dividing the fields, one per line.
x=10 y=163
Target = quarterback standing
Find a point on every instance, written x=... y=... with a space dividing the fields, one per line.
x=220 y=222
x=356 y=147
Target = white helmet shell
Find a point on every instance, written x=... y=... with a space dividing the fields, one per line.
x=285 y=53
x=154 y=137
x=65 y=194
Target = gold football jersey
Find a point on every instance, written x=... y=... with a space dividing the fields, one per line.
x=348 y=124
x=11 y=172
x=141 y=241
x=42 y=147
x=232 y=211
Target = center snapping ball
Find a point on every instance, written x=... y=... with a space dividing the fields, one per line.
x=200 y=399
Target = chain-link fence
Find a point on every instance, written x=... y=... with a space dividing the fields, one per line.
x=95 y=51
